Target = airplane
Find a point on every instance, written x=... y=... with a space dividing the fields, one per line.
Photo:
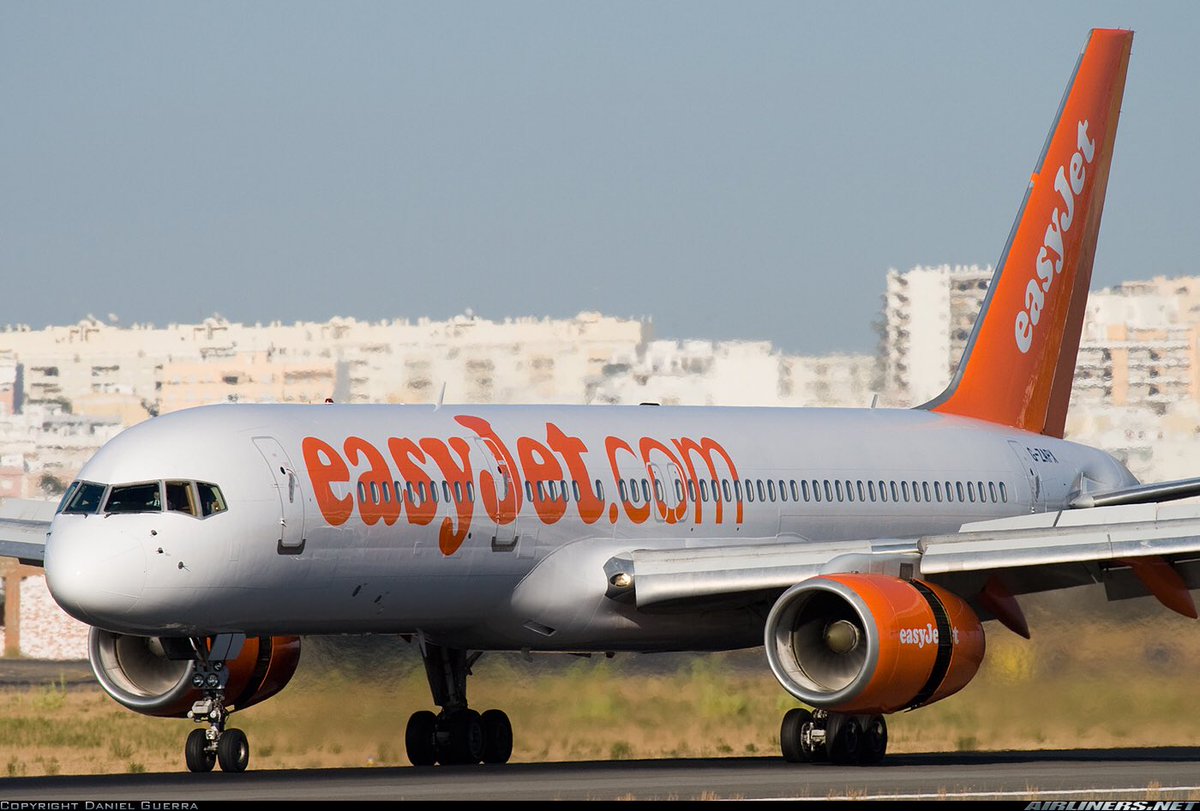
x=863 y=548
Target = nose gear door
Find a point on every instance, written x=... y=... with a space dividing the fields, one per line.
x=291 y=497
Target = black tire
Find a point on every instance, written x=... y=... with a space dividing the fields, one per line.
x=791 y=735
x=497 y=737
x=874 y=741
x=196 y=754
x=420 y=738
x=465 y=746
x=233 y=751
x=846 y=743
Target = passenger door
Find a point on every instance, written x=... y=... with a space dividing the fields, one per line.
x=291 y=497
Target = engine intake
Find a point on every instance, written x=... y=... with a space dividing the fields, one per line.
x=871 y=643
x=140 y=675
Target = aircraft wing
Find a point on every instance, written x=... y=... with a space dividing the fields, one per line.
x=1030 y=553
x=23 y=527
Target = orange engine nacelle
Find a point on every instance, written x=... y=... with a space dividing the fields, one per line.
x=862 y=643
x=137 y=672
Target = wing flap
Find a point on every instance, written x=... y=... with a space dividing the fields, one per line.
x=1093 y=535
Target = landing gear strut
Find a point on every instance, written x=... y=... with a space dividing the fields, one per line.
x=204 y=748
x=457 y=735
x=842 y=739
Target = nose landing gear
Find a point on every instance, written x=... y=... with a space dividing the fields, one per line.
x=457 y=735
x=205 y=748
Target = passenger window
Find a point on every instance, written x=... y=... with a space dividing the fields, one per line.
x=575 y=490
x=458 y=491
x=386 y=490
x=599 y=489
x=862 y=494
x=971 y=491
x=795 y=491
x=737 y=489
x=691 y=490
x=883 y=492
x=981 y=491
x=895 y=492
x=412 y=495
x=421 y=491
x=925 y=490
x=937 y=491
x=762 y=491
x=566 y=494
x=849 y=490
x=470 y=492
x=623 y=490
x=837 y=485
x=959 y=489
x=916 y=492
x=904 y=490
x=804 y=488
x=528 y=490
x=433 y=492
x=750 y=491
x=679 y=490
x=362 y=493
x=646 y=490
x=783 y=492
x=1003 y=493
x=725 y=489
x=548 y=492
x=179 y=498
x=374 y=492
x=871 y=490
x=212 y=500
x=828 y=491
x=703 y=490
x=771 y=489
x=992 y=491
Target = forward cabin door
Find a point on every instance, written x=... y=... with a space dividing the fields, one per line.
x=291 y=497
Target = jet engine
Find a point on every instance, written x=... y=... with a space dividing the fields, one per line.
x=855 y=643
x=142 y=673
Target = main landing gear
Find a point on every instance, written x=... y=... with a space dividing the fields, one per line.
x=457 y=735
x=204 y=748
x=842 y=739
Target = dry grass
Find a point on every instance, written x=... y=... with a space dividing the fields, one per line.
x=1111 y=682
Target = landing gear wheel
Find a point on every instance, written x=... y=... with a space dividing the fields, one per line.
x=846 y=744
x=497 y=737
x=420 y=738
x=465 y=746
x=791 y=735
x=233 y=751
x=874 y=741
x=196 y=754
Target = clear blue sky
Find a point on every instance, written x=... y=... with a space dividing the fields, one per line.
x=732 y=170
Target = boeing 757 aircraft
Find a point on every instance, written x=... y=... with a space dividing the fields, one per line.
x=864 y=548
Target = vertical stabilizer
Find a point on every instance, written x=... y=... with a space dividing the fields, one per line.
x=1019 y=362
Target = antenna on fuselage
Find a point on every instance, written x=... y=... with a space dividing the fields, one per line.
x=441 y=397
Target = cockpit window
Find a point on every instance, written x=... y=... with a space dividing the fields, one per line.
x=180 y=498
x=134 y=498
x=83 y=497
x=211 y=499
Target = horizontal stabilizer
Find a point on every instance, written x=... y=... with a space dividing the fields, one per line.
x=1141 y=494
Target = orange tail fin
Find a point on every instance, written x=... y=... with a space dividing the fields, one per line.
x=1019 y=362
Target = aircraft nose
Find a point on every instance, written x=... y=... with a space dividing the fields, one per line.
x=95 y=572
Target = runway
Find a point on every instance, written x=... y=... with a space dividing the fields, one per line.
x=1116 y=774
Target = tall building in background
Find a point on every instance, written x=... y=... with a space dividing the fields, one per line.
x=927 y=319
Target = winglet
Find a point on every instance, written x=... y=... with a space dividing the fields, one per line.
x=1019 y=362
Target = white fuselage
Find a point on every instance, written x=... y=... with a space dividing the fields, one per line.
x=314 y=541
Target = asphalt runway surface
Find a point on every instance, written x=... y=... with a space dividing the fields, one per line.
x=1115 y=774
